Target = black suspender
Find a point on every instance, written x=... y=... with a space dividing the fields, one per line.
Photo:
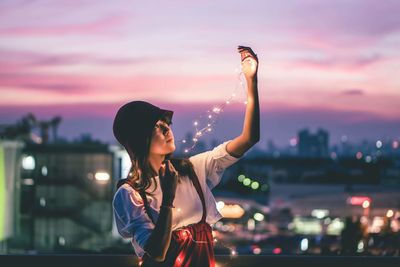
x=196 y=183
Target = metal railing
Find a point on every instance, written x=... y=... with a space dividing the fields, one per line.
x=221 y=261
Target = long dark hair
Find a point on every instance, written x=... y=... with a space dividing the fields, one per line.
x=141 y=175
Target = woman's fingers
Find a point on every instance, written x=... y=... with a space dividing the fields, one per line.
x=246 y=52
x=172 y=170
x=167 y=169
x=242 y=49
x=162 y=170
x=246 y=56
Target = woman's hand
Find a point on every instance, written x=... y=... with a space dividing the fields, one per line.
x=249 y=62
x=168 y=180
x=158 y=243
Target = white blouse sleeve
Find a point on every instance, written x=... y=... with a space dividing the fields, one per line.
x=213 y=163
x=131 y=219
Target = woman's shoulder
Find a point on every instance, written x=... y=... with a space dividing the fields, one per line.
x=124 y=188
x=125 y=193
x=122 y=191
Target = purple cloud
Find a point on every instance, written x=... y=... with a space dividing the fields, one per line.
x=339 y=62
x=347 y=19
x=351 y=92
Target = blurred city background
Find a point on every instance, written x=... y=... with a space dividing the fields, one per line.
x=307 y=198
x=323 y=180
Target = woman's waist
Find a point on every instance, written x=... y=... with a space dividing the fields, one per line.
x=197 y=230
x=195 y=226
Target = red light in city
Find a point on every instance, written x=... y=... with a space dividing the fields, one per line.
x=358 y=200
x=277 y=251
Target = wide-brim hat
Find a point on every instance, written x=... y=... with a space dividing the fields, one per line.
x=135 y=121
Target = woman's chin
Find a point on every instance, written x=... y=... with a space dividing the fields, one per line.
x=171 y=147
x=173 y=150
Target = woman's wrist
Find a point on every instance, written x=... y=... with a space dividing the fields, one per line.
x=252 y=79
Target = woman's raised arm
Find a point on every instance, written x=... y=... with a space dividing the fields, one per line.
x=251 y=126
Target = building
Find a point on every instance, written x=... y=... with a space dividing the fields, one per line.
x=10 y=152
x=65 y=198
x=313 y=145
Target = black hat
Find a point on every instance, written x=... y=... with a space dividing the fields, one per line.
x=135 y=121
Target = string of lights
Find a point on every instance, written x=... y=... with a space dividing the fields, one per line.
x=206 y=121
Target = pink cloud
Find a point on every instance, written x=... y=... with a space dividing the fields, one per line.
x=336 y=62
x=106 y=88
x=101 y=26
x=19 y=60
x=63 y=84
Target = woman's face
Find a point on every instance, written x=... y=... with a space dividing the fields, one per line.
x=162 y=140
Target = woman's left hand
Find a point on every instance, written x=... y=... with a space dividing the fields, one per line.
x=249 y=62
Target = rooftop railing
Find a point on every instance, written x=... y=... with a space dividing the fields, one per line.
x=221 y=261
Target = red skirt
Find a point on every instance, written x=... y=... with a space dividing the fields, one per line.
x=190 y=246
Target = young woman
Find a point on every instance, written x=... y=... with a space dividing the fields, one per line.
x=165 y=206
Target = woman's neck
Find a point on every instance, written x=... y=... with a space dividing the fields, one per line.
x=155 y=161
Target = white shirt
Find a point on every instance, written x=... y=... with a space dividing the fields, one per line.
x=131 y=219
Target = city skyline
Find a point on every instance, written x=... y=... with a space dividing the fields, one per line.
x=322 y=64
x=40 y=130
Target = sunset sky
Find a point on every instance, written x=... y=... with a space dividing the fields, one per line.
x=331 y=64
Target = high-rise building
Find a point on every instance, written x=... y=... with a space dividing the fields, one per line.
x=313 y=145
x=66 y=194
